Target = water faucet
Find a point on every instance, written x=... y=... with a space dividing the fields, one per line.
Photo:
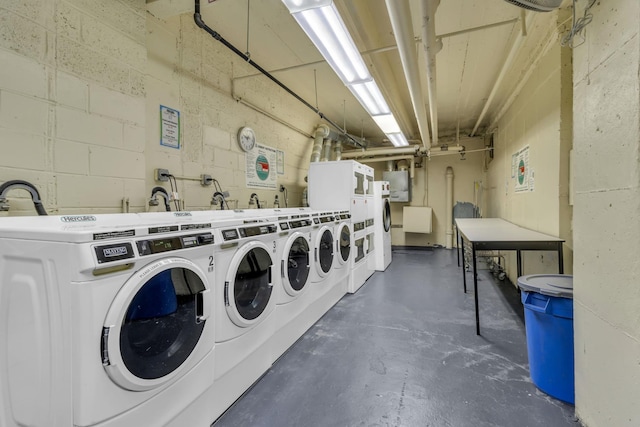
x=253 y=197
x=35 y=196
x=154 y=199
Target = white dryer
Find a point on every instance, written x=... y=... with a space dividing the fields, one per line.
x=341 y=185
x=382 y=225
x=107 y=319
x=360 y=270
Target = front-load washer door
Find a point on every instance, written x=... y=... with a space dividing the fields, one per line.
x=155 y=323
x=247 y=290
x=324 y=252
x=295 y=265
x=386 y=215
x=344 y=243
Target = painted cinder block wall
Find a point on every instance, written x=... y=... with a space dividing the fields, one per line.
x=606 y=143
x=81 y=85
x=72 y=109
x=540 y=117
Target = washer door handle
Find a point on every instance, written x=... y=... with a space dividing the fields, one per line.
x=203 y=307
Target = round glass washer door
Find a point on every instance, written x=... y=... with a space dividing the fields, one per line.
x=248 y=285
x=296 y=265
x=324 y=251
x=344 y=243
x=155 y=324
x=386 y=215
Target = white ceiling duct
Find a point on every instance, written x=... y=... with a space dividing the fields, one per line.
x=537 y=5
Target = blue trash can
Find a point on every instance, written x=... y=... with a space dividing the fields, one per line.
x=548 y=315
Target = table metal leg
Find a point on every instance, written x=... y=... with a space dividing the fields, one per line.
x=560 y=259
x=519 y=262
x=458 y=245
x=475 y=288
x=464 y=272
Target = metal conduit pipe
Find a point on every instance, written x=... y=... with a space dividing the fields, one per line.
x=449 y=208
x=515 y=48
x=197 y=17
x=321 y=132
x=431 y=46
x=17 y=183
x=400 y=16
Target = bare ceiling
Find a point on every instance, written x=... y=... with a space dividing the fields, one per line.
x=467 y=66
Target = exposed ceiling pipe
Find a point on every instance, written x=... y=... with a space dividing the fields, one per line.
x=321 y=132
x=197 y=17
x=515 y=48
x=400 y=16
x=381 y=151
x=412 y=170
x=431 y=46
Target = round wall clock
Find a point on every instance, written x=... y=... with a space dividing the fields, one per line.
x=246 y=138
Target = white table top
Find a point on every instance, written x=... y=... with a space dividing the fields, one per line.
x=499 y=230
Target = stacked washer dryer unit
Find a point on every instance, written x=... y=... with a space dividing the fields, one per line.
x=343 y=185
x=370 y=228
x=382 y=224
x=107 y=320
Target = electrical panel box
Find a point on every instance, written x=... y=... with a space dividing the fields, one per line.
x=399 y=185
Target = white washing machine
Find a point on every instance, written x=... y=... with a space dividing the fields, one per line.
x=344 y=250
x=341 y=185
x=246 y=276
x=382 y=225
x=293 y=297
x=323 y=242
x=107 y=319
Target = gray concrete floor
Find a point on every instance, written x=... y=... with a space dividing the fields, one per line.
x=403 y=351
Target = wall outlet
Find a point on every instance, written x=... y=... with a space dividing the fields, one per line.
x=162 y=175
x=206 y=179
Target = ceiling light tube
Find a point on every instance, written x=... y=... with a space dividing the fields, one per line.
x=324 y=26
x=370 y=97
x=387 y=123
x=398 y=139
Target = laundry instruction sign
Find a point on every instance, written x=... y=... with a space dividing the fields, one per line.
x=522 y=171
x=261 y=167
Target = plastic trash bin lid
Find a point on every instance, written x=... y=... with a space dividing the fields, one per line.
x=555 y=285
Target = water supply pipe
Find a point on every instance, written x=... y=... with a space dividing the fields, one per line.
x=337 y=150
x=449 y=208
x=321 y=132
x=16 y=183
x=326 y=150
x=154 y=199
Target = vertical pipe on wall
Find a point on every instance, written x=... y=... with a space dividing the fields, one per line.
x=326 y=150
x=321 y=132
x=337 y=150
x=449 y=208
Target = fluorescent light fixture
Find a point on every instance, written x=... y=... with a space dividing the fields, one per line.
x=322 y=23
x=387 y=123
x=398 y=139
x=370 y=97
x=324 y=26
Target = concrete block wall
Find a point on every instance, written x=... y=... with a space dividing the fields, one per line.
x=606 y=99
x=190 y=71
x=72 y=111
x=539 y=117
